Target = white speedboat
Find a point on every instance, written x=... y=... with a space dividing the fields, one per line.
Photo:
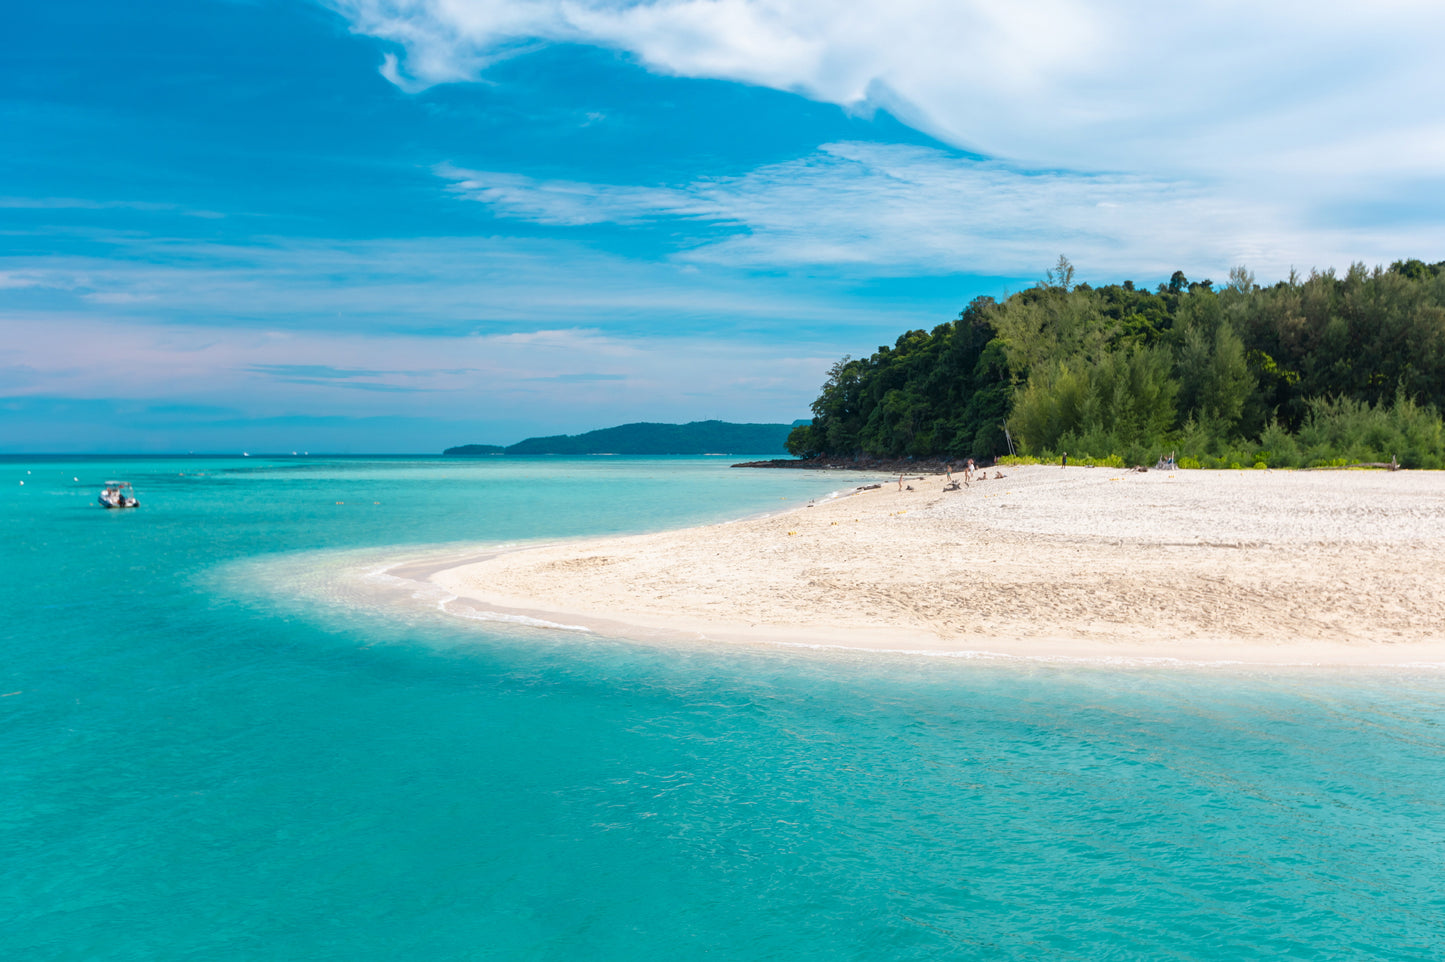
x=118 y=494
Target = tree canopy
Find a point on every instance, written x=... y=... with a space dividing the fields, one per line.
x=1314 y=368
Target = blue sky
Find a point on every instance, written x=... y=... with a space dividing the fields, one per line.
x=396 y=225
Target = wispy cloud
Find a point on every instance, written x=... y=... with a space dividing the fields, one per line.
x=353 y=379
x=82 y=203
x=571 y=203
x=15 y=280
x=317 y=371
x=563 y=378
x=582 y=378
x=446 y=285
x=881 y=210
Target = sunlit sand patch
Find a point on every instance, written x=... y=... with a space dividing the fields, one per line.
x=1288 y=568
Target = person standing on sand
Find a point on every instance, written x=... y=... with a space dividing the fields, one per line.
x=1064 y=462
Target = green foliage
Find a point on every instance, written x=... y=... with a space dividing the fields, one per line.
x=1123 y=398
x=1288 y=375
x=1360 y=432
x=1215 y=383
x=1111 y=461
x=803 y=442
x=943 y=393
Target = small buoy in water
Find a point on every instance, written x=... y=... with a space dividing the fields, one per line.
x=75 y=479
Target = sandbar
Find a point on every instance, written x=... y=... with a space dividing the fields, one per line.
x=1254 y=567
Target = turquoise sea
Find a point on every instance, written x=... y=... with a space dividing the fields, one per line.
x=199 y=761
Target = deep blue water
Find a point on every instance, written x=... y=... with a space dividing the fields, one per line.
x=194 y=765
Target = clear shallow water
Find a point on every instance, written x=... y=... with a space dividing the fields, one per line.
x=196 y=769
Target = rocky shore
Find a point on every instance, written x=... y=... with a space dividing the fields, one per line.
x=872 y=465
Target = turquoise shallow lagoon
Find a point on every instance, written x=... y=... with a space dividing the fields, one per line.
x=197 y=764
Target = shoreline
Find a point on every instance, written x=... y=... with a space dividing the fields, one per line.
x=1268 y=568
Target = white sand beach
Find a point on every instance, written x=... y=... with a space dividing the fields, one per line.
x=1265 y=567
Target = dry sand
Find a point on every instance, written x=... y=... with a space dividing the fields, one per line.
x=1268 y=567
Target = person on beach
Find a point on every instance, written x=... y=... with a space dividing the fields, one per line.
x=1064 y=461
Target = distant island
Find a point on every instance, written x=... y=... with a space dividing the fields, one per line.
x=476 y=450
x=696 y=437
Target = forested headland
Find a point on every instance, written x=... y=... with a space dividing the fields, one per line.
x=647 y=438
x=1314 y=370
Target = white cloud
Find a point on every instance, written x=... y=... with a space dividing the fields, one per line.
x=1289 y=97
x=883 y=210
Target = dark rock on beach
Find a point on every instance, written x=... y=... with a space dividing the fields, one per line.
x=871 y=465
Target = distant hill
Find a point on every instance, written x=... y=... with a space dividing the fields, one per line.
x=476 y=449
x=698 y=437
